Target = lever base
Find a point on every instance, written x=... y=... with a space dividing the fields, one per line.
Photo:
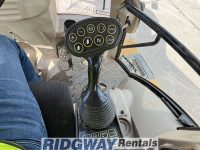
x=83 y=131
x=99 y=116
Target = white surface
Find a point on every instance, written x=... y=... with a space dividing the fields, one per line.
x=150 y=115
x=83 y=7
x=62 y=10
x=15 y=10
x=121 y=100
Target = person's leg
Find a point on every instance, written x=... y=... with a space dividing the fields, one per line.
x=26 y=64
x=20 y=116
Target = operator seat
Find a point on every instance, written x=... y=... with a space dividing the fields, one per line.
x=56 y=106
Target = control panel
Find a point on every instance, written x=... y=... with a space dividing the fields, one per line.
x=93 y=36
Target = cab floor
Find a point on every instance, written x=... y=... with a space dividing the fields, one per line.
x=111 y=75
x=54 y=68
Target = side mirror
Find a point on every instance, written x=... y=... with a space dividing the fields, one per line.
x=119 y=11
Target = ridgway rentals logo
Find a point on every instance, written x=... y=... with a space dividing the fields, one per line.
x=99 y=143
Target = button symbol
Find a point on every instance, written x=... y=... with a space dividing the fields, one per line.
x=90 y=28
x=110 y=39
x=101 y=28
x=99 y=40
x=78 y=47
x=81 y=31
x=87 y=42
x=112 y=29
x=72 y=37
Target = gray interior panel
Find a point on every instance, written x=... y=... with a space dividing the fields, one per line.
x=149 y=113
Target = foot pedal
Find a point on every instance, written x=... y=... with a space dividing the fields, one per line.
x=65 y=57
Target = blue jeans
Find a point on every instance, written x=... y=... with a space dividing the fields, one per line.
x=21 y=120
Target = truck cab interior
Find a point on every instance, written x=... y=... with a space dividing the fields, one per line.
x=72 y=51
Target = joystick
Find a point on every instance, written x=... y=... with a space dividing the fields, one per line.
x=95 y=106
x=89 y=38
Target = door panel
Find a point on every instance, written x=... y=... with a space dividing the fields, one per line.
x=149 y=114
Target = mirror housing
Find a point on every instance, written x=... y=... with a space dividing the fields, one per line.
x=118 y=10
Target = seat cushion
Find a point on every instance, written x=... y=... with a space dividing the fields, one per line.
x=56 y=106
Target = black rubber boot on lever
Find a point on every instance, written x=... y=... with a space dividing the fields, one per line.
x=95 y=107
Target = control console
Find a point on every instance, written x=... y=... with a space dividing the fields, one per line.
x=89 y=38
x=93 y=36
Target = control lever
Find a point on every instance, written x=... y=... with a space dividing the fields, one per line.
x=89 y=38
x=95 y=106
